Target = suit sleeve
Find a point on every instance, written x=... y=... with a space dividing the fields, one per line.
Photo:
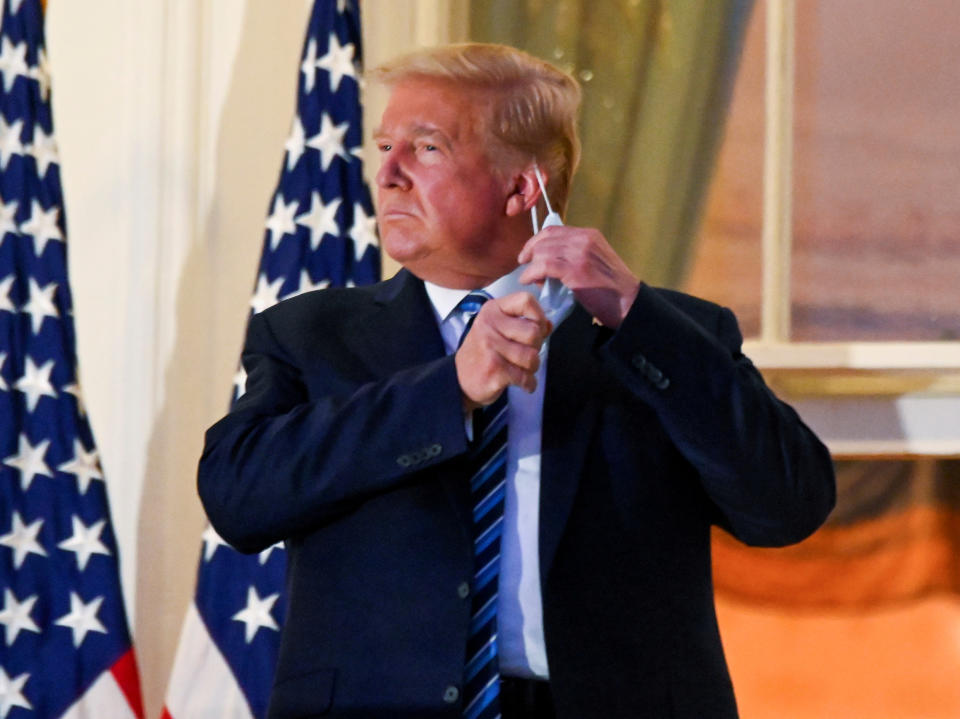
x=769 y=476
x=286 y=460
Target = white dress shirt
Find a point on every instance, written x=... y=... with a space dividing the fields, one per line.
x=522 y=648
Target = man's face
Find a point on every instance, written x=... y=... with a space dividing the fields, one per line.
x=441 y=203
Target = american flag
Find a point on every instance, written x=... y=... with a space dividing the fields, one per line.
x=320 y=232
x=65 y=649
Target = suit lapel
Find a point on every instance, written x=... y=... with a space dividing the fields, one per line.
x=568 y=423
x=401 y=330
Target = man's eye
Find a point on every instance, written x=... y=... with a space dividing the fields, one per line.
x=385 y=147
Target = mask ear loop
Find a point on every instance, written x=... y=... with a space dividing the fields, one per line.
x=555 y=298
x=552 y=219
x=533 y=210
x=543 y=188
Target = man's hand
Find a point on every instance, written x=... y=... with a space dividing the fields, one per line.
x=582 y=259
x=501 y=349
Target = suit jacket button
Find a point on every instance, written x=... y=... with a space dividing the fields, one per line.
x=463 y=591
x=404 y=460
x=451 y=694
x=435 y=450
x=654 y=374
x=639 y=361
x=663 y=384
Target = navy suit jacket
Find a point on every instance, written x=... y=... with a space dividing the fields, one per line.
x=349 y=445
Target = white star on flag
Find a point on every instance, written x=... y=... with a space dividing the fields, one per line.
x=13 y=62
x=74 y=389
x=338 y=62
x=364 y=231
x=257 y=614
x=82 y=618
x=321 y=219
x=29 y=461
x=281 y=222
x=15 y=615
x=11 y=693
x=329 y=141
x=3 y=382
x=41 y=73
x=43 y=149
x=211 y=540
x=22 y=539
x=35 y=382
x=265 y=554
x=240 y=381
x=42 y=226
x=308 y=285
x=6 y=284
x=7 y=222
x=10 y=142
x=309 y=66
x=85 y=541
x=295 y=144
x=266 y=295
x=84 y=466
x=40 y=304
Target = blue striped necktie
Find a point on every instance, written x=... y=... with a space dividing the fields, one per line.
x=486 y=462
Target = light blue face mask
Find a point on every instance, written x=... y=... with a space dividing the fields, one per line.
x=555 y=298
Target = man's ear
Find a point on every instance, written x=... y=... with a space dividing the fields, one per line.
x=524 y=192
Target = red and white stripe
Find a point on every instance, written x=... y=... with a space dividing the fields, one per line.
x=115 y=694
x=201 y=684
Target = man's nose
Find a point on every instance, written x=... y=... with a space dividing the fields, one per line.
x=391 y=173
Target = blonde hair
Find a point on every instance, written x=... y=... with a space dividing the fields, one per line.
x=534 y=104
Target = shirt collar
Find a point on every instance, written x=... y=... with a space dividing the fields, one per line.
x=445 y=300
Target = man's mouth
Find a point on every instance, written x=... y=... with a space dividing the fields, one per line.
x=395 y=213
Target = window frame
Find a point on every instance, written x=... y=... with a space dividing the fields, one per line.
x=915 y=381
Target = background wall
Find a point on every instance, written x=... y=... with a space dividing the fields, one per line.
x=171 y=118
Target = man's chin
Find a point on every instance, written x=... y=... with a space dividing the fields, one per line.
x=401 y=248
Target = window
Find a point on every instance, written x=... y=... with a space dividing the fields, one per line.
x=853 y=305
x=832 y=224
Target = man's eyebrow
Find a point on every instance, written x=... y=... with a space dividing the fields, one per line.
x=419 y=131
x=433 y=132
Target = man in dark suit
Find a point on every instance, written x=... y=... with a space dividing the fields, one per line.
x=630 y=428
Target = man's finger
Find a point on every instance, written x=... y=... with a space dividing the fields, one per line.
x=544 y=268
x=526 y=381
x=524 y=331
x=524 y=357
x=521 y=304
x=526 y=253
